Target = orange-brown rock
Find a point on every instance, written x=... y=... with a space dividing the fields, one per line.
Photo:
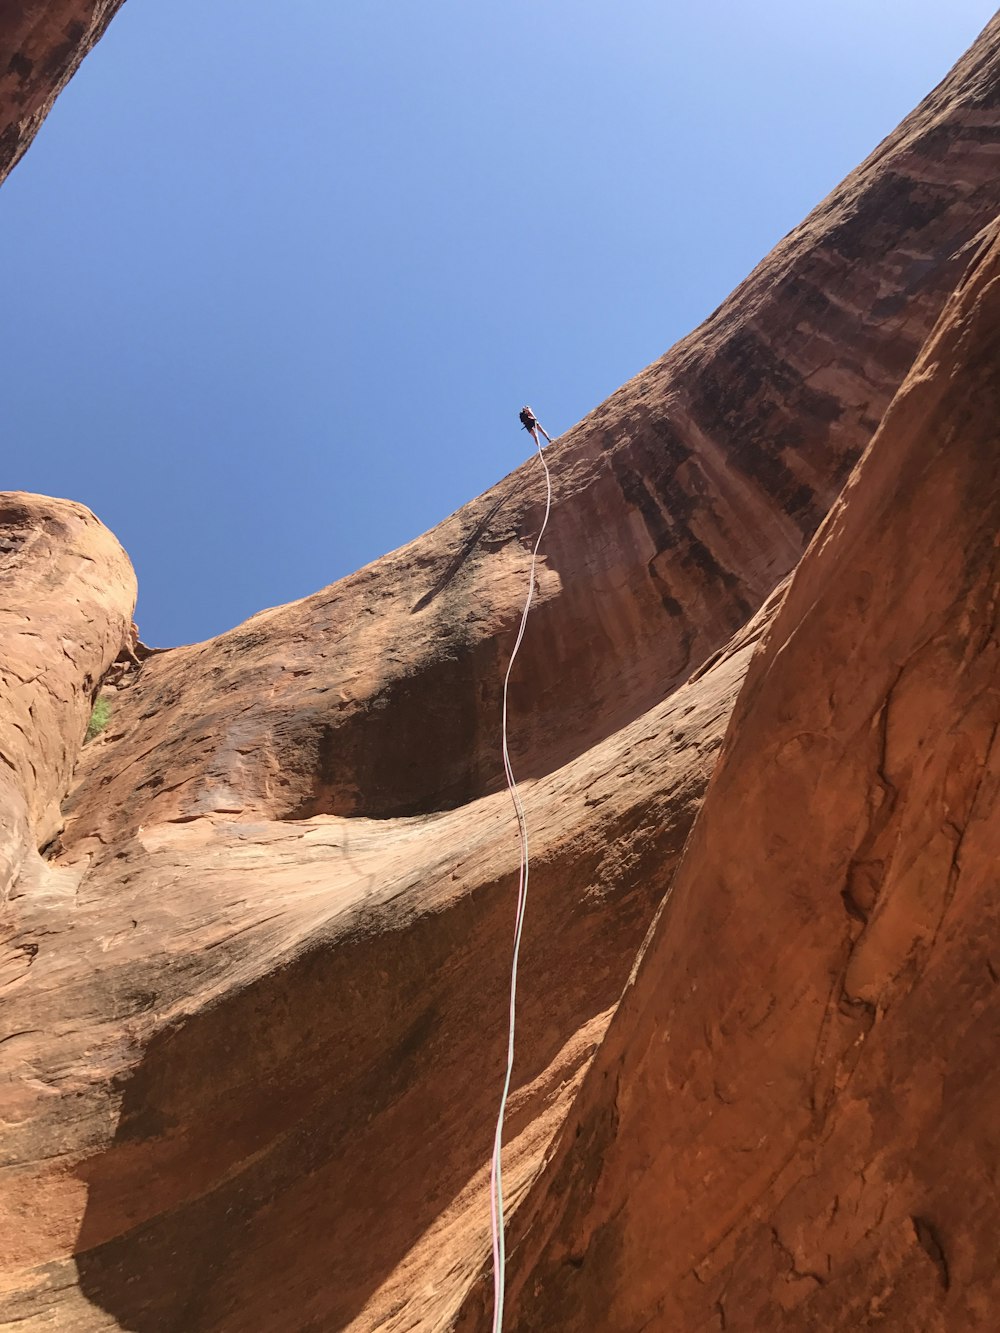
x=792 y=1122
x=42 y=43
x=66 y=596
x=281 y=1015
x=249 y=1081
x=679 y=504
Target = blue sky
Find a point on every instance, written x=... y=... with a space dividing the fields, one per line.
x=277 y=277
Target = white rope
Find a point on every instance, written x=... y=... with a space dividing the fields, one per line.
x=496 y=1172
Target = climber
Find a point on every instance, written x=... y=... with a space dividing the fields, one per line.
x=128 y=662
x=133 y=643
x=532 y=425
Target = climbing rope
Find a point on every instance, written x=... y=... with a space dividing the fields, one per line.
x=496 y=1172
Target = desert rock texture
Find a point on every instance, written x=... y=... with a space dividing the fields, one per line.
x=42 y=43
x=255 y=935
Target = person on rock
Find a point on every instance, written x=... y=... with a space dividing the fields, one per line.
x=532 y=425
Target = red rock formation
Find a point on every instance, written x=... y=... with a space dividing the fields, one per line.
x=792 y=1122
x=249 y=1081
x=41 y=47
x=68 y=592
x=280 y=1014
x=679 y=504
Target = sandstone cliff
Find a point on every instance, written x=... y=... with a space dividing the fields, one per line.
x=67 y=596
x=41 y=47
x=791 y=1122
x=254 y=994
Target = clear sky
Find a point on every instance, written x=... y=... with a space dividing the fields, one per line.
x=277 y=276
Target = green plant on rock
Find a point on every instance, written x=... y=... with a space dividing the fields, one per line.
x=99 y=718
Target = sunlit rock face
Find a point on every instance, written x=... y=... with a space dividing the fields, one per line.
x=791 y=1122
x=66 y=596
x=255 y=950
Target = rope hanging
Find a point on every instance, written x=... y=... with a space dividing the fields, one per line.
x=531 y=425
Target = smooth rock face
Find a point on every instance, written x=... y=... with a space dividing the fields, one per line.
x=67 y=592
x=41 y=47
x=679 y=504
x=792 y=1122
x=297 y=1029
x=249 y=1079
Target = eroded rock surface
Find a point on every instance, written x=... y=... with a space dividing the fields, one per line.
x=67 y=591
x=792 y=1122
x=280 y=1013
x=249 y=1080
x=679 y=504
x=41 y=47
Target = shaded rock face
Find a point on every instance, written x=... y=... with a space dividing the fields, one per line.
x=248 y=1079
x=41 y=47
x=792 y=1120
x=260 y=1027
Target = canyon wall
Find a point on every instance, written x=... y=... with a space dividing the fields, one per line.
x=254 y=954
x=41 y=47
x=792 y=1120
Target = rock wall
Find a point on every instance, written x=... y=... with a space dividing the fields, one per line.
x=250 y=1083
x=41 y=47
x=679 y=504
x=67 y=592
x=249 y=1071
x=792 y=1120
